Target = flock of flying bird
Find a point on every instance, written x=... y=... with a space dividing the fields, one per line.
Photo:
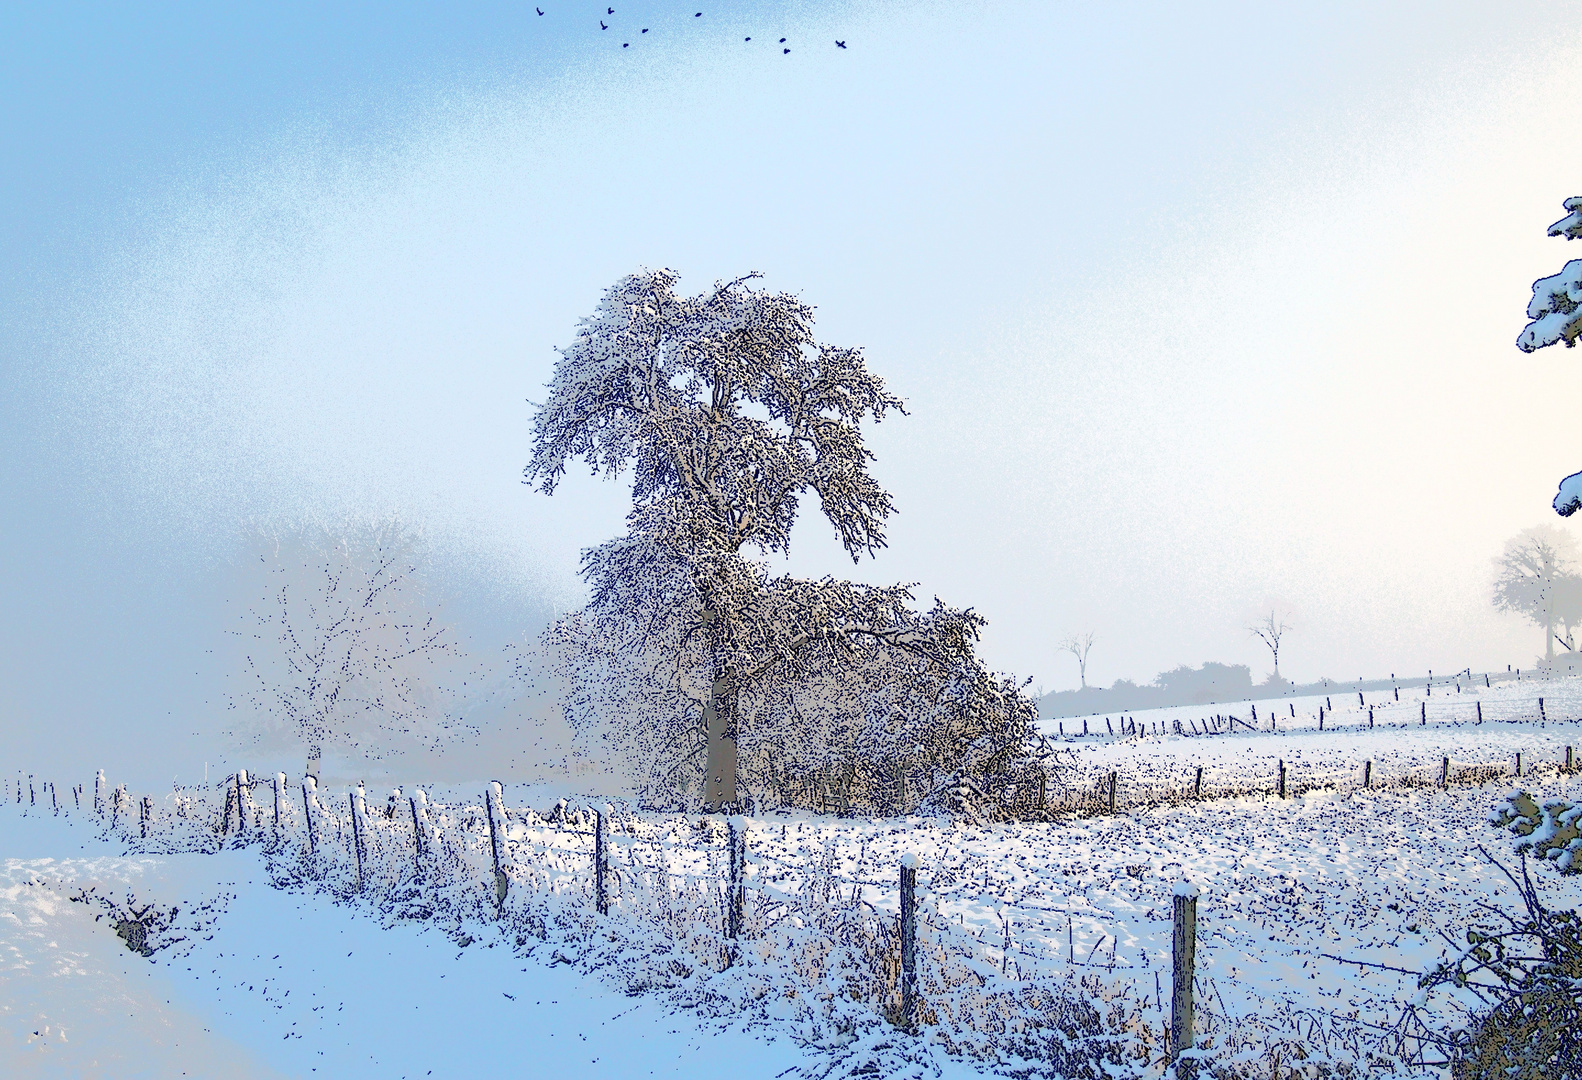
x=698 y=15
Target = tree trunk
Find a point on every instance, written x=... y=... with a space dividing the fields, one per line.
x=719 y=715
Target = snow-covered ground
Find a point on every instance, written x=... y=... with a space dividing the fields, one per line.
x=278 y=983
x=1315 y=910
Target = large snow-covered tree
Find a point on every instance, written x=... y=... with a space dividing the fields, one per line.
x=1556 y=314
x=729 y=412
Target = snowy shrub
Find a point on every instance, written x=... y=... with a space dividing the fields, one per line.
x=1526 y=971
x=1549 y=832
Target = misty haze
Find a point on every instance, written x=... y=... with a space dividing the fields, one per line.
x=828 y=540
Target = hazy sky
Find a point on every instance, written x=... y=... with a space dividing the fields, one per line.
x=1195 y=311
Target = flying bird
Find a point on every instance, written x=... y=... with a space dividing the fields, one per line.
x=539 y=10
x=609 y=11
x=842 y=44
x=645 y=29
x=698 y=15
x=746 y=39
x=785 y=51
x=626 y=44
x=782 y=41
x=602 y=26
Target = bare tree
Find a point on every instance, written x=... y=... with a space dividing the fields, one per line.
x=1078 y=645
x=1536 y=580
x=338 y=643
x=1271 y=629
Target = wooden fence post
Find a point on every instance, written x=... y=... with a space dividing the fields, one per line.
x=1518 y=763
x=909 y=864
x=1360 y=702
x=1568 y=759
x=1444 y=773
x=282 y=810
x=244 y=800
x=1084 y=727
x=422 y=831
x=494 y=806
x=1424 y=705
x=1370 y=717
x=736 y=907
x=1321 y=718
x=1541 y=715
x=359 y=824
x=1367 y=774
x=1282 y=778
x=601 y=860
x=1480 y=712
x=1183 y=955
x=1112 y=793
x=310 y=802
x=230 y=804
x=1197 y=785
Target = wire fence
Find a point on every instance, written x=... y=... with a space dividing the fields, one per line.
x=805 y=930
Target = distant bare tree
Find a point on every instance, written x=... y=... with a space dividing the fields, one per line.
x=1536 y=580
x=1271 y=629
x=339 y=643
x=1078 y=645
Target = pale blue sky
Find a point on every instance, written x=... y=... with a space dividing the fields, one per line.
x=1194 y=310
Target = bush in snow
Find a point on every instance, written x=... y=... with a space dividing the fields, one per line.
x=1550 y=832
x=1526 y=969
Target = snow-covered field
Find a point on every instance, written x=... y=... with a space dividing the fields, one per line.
x=1404 y=750
x=276 y=964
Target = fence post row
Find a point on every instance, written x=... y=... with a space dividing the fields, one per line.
x=493 y=798
x=1183 y=954
x=909 y=864
x=601 y=860
x=737 y=901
